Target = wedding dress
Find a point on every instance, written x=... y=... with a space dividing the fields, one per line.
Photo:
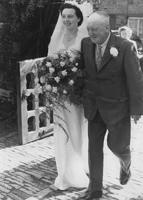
x=71 y=149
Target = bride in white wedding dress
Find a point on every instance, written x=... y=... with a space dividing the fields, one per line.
x=71 y=153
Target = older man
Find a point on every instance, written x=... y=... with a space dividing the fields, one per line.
x=113 y=92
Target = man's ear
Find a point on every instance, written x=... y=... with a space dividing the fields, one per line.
x=78 y=19
x=108 y=27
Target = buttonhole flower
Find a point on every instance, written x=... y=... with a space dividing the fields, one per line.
x=114 y=52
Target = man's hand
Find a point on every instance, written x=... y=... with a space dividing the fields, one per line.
x=136 y=118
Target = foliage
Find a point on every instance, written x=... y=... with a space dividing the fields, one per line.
x=25 y=34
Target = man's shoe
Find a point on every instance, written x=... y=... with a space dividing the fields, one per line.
x=94 y=195
x=124 y=176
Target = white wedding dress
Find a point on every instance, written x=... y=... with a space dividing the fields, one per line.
x=71 y=151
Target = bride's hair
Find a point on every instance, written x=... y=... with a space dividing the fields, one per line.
x=77 y=11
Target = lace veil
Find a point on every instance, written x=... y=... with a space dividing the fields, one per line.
x=86 y=9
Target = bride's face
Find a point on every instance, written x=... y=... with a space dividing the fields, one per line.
x=70 y=20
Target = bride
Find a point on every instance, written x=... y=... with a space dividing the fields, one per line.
x=71 y=153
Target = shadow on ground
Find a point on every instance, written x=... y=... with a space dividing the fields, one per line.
x=110 y=192
x=27 y=180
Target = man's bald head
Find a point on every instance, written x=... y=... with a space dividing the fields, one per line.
x=98 y=26
x=99 y=17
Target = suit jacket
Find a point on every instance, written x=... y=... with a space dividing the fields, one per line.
x=116 y=89
x=141 y=63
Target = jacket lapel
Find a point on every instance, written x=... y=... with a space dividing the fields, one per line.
x=91 y=54
x=107 y=56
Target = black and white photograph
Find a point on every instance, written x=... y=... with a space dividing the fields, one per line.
x=71 y=99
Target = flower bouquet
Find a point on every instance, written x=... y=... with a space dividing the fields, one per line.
x=61 y=78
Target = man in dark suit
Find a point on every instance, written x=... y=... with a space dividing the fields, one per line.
x=113 y=93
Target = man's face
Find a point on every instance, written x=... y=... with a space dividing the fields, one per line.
x=98 y=32
x=69 y=18
x=124 y=34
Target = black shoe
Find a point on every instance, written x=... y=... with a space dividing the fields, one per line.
x=124 y=176
x=94 y=195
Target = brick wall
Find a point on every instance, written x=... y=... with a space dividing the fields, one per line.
x=1 y=14
x=120 y=10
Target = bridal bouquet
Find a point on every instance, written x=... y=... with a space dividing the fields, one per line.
x=61 y=78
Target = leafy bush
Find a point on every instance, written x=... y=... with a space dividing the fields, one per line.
x=24 y=34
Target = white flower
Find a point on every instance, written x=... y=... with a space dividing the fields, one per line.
x=42 y=79
x=36 y=80
x=51 y=70
x=27 y=93
x=49 y=64
x=69 y=52
x=48 y=87
x=114 y=52
x=76 y=64
x=71 y=82
x=71 y=59
x=65 y=92
x=64 y=72
x=38 y=89
x=54 y=89
x=74 y=69
x=62 y=64
x=33 y=70
x=55 y=56
x=57 y=79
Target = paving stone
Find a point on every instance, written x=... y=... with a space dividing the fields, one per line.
x=43 y=193
x=15 y=181
x=26 y=191
x=14 y=197
x=8 y=198
x=1 y=195
x=37 y=158
x=15 y=186
x=4 y=190
x=20 y=194
x=6 y=185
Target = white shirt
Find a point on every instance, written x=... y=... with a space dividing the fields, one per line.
x=104 y=44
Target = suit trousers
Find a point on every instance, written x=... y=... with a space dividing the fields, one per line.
x=118 y=140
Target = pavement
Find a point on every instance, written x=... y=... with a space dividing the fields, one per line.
x=28 y=171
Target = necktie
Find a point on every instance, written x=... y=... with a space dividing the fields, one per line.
x=98 y=56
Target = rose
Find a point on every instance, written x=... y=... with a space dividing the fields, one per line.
x=62 y=64
x=49 y=64
x=64 y=73
x=74 y=69
x=48 y=87
x=27 y=93
x=51 y=70
x=54 y=90
x=55 y=56
x=71 y=59
x=114 y=52
x=65 y=92
x=57 y=79
x=71 y=82
x=71 y=54
x=42 y=79
x=38 y=89
x=33 y=71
